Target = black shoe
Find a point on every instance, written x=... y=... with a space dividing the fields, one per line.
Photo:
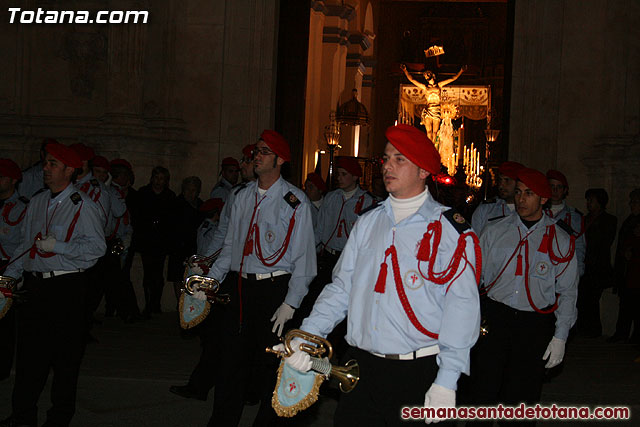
x=187 y=392
x=11 y=422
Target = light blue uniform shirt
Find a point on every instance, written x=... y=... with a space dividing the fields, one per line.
x=489 y=211
x=272 y=216
x=32 y=181
x=117 y=209
x=204 y=236
x=377 y=322
x=499 y=240
x=217 y=240
x=10 y=226
x=83 y=249
x=574 y=219
x=221 y=190
x=333 y=231
x=98 y=192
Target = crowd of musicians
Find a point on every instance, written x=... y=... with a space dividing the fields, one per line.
x=437 y=309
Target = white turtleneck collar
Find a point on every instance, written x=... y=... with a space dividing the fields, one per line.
x=555 y=209
x=403 y=208
x=348 y=195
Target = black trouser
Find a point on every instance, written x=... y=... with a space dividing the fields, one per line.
x=129 y=302
x=50 y=336
x=589 y=293
x=629 y=313
x=152 y=281
x=7 y=335
x=385 y=386
x=506 y=364
x=211 y=335
x=243 y=350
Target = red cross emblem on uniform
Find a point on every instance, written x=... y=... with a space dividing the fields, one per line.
x=543 y=267
x=191 y=308
x=414 y=277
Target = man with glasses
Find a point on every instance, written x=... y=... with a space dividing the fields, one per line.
x=269 y=250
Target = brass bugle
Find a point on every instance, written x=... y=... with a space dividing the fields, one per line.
x=347 y=375
x=6 y=285
x=117 y=247
x=208 y=285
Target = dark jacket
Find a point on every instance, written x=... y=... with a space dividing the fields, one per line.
x=600 y=232
x=153 y=220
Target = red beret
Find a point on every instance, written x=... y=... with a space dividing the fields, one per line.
x=230 y=161
x=277 y=143
x=10 y=169
x=85 y=153
x=536 y=181
x=122 y=162
x=317 y=181
x=559 y=176
x=415 y=145
x=350 y=164
x=65 y=154
x=101 y=162
x=247 y=151
x=212 y=204
x=510 y=169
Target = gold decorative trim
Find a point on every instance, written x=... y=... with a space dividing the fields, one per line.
x=196 y=320
x=310 y=398
x=6 y=307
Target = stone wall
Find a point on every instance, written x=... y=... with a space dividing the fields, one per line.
x=575 y=102
x=193 y=85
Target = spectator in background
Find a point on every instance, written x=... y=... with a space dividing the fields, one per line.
x=186 y=218
x=600 y=232
x=33 y=177
x=627 y=265
x=152 y=237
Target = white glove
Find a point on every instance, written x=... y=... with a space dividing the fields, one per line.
x=299 y=360
x=195 y=269
x=200 y=295
x=555 y=352
x=280 y=317
x=46 y=244
x=439 y=397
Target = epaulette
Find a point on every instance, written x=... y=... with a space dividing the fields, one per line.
x=76 y=198
x=23 y=200
x=578 y=212
x=457 y=220
x=291 y=199
x=219 y=184
x=489 y=201
x=94 y=182
x=38 y=192
x=373 y=205
x=566 y=227
x=496 y=217
x=238 y=188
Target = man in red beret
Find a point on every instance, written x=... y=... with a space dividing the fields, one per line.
x=100 y=169
x=561 y=211
x=228 y=178
x=63 y=237
x=32 y=177
x=12 y=211
x=269 y=253
x=411 y=322
x=90 y=185
x=314 y=188
x=530 y=276
x=504 y=205
x=211 y=236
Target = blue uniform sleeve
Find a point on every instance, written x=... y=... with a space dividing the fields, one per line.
x=16 y=267
x=333 y=302
x=303 y=254
x=567 y=287
x=479 y=217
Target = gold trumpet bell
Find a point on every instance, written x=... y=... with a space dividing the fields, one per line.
x=208 y=285
x=347 y=375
